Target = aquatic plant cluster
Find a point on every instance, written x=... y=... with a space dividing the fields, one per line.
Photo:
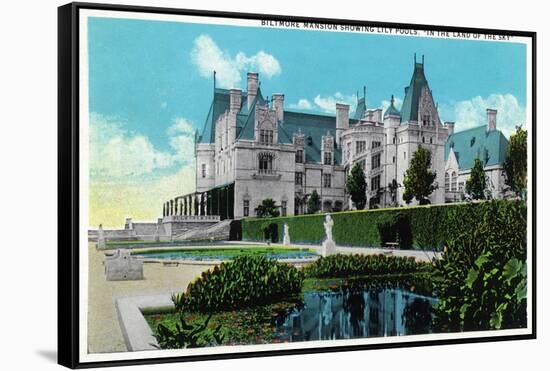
x=248 y=280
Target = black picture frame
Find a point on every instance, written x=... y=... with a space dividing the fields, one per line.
x=68 y=183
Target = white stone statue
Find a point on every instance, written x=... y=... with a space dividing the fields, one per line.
x=329 y=247
x=100 y=237
x=286 y=237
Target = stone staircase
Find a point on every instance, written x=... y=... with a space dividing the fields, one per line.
x=218 y=231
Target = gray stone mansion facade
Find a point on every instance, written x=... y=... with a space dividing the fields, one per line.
x=252 y=148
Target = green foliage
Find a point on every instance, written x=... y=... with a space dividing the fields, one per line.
x=246 y=281
x=188 y=334
x=515 y=165
x=419 y=178
x=267 y=209
x=356 y=186
x=429 y=226
x=476 y=184
x=480 y=282
x=342 y=266
x=313 y=203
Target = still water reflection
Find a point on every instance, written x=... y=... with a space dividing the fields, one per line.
x=372 y=312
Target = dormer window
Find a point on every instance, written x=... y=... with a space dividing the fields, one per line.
x=266 y=136
x=327 y=158
x=472 y=141
x=426 y=120
x=299 y=156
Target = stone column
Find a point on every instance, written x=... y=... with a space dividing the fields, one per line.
x=171 y=207
x=100 y=237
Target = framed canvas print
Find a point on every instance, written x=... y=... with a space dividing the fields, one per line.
x=236 y=185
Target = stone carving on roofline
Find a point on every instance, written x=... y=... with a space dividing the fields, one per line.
x=298 y=139
x=328 y=142
x=426 y=107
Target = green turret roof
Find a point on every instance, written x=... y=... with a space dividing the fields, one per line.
x=489 y=146
x=409 y=111
x=392 y=111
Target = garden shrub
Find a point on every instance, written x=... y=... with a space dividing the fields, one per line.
x=481 y=280
x=343 y=266
x=246 y=281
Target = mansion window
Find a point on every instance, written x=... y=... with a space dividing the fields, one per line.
x=300 y=156
x=327 y=178
x=393 y=159
x=266 y=136
x=376 y=144
x=454 y=182
x=426 y=120
x=246 y=207
x=447 y=182
x=327 y=158
x=299 y=178
x=283 y=208
x=394 y=140
x=375 y=183
x=363 y=164
x=265 y=163
x=360 y=146
x=375 y=161
x=203 y=170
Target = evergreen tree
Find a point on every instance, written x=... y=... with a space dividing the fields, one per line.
x=267 y=209
x=356 y=186
x=419 y=178
x=515 y=165
x=476 y=183
x=313 y=203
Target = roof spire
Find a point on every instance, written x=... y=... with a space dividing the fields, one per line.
x=364 y=92
x=415 y=58
x=392 y=99
x=214 y=80
x=422 y=60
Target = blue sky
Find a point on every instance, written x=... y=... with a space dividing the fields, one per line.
x=150 y=82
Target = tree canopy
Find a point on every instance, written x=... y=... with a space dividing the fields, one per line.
x=267 y=209
x=356 y=186
x=419 y=179
x=476 y=184
x=313 y=203
x=515 y=165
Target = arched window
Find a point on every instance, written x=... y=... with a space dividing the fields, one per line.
x=447 y=182
x=454 y=182
x=265 y=163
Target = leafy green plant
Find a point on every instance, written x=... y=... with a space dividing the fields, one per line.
x=476 y=185
x=419 y=178
x=188 y=334
x=336 y=266
x=356 y=186
x=246 y=281
x=480 y=282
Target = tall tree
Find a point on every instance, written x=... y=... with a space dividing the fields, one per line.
x=313 y=203
x=419 y=179
x=356 y=185
x=476 y=184
x=515 y=165
x=267 y=209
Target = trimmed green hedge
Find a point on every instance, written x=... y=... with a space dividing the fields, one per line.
x=428 y=225
x=344 y=266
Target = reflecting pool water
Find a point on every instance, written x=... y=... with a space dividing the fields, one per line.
x=372 y=312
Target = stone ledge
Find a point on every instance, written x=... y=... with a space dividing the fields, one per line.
x=135 y=329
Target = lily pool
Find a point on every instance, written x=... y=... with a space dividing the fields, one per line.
x=326 y=311
x=225 y=253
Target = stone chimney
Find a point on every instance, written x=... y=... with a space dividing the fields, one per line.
x=234 y=100
x=342 y=120
x=279 y=105
x=491 y=119
x=450 y=127
x=251 y=87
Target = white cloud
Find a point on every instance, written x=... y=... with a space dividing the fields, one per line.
x=116 y=152
x=208 y=57
x=303 y=104
x=328 y=103
x=325 y=104
x=471 y=113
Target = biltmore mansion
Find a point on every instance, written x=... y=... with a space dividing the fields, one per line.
x=252 y=148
